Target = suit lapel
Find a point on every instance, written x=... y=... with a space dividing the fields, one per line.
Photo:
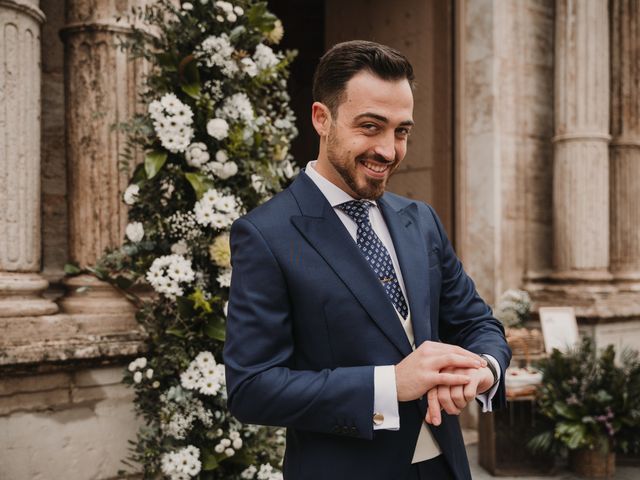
x=412 y=257
x=322 y=228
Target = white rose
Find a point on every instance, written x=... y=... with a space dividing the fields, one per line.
x=131 y=194
x=137 y=377
x=134 y=232
x=228 y=170
x=218 y=128
x=221 y=156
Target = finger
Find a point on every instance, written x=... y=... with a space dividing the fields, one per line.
x=457 y=396
x=440 y=347
x=451 y=379
x=470 y=391
x=444 y=397
x=434 y=406
x=454 y=360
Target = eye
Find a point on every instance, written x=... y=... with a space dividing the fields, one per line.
x=369 y=127
x=403 y=132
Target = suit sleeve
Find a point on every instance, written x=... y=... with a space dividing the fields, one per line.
x=264 y=387
x=464 y=318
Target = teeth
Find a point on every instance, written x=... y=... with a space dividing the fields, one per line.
x=375 y=167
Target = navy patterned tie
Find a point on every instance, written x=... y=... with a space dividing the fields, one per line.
x=375 y=252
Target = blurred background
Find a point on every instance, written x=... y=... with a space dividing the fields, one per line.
x=527 y=143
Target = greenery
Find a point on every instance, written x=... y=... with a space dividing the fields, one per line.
x=215 y=138
x=590 y=400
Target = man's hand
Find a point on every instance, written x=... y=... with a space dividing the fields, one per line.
x=452 y=399
x=433 y=364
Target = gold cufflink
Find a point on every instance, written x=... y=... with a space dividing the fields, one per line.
x=378 y=418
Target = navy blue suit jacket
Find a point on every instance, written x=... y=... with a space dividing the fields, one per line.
x=308 y=320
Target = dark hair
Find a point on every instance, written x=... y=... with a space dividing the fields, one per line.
x=344 y=60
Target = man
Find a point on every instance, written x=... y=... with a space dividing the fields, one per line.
x=348 y=306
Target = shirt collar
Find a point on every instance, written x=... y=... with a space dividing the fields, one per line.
x=334 y=194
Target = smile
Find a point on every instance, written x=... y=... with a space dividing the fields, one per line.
x=375 y=167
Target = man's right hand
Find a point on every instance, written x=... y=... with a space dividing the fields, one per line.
x=420 y=371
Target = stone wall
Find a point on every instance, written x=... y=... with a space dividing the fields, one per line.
x=71 y=425
x=504 y=77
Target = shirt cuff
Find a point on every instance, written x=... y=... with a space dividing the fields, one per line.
x=385 y=400
x=485 y=398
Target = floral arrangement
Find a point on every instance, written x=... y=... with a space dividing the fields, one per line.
x=216 y=138
x=590 y=401
x=513 y=308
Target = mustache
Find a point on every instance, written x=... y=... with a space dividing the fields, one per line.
x=375 y=157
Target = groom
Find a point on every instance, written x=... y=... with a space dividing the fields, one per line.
x=351 y=321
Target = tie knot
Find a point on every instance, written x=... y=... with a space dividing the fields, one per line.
x=358 y=210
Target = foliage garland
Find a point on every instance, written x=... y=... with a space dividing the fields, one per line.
x=216 y=136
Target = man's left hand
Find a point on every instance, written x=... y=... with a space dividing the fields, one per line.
x=453 y=399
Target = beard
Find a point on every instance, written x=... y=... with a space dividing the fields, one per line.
x=367 y=188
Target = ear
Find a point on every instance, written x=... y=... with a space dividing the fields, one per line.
x=321 y=118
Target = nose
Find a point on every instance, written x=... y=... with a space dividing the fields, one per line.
x=386 y=147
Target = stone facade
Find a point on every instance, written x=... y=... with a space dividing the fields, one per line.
x=529 y=148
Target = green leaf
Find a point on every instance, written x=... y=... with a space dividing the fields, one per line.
x=71 y=269
x=139 y=174
x=168 y=60
x=209 y=461
x=260 y=18
x=185 y=307
x=190 y=77
x=200 y=183
x=176 y=332
x=153 y=162
x=565 y=411
x=215 y=329
x=123 y=282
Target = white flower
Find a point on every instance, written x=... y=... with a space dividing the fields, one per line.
x=238 y=11
x=205 y=360
x=131 y=194
x=180 y=248
x=187 y=6
x=138 y=363
x=172 y=121
x=197 y=154
x=190 y=379
x=237 y=107
x=229 y=169
x=218 y=128
x=221 y=156
x=149 y=373
x=137 y=377
x=264 y=57
x=249 y=67
x=249 y=472
x=229 y=452
x=237 y=444
x=218 y=448
x=218 y=51
x=224 y=278
x=155 y=384
x=258 y=183
x=231 y=17
x=134 y=231
x=168 y=272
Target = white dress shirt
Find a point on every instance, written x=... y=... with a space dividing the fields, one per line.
x=385 y=393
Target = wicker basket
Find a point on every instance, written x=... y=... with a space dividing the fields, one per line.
x=525 y=342
x=592 y=463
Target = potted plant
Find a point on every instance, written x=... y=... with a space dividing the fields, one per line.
x=592 y=405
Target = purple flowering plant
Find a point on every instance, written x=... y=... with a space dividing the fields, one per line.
x=590 y=399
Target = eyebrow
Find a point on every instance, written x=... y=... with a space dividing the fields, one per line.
x=382 y=118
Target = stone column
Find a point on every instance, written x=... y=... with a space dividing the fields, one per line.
x=101 y=87
x=20 y=283
x=625 y=147
x=581 y=159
